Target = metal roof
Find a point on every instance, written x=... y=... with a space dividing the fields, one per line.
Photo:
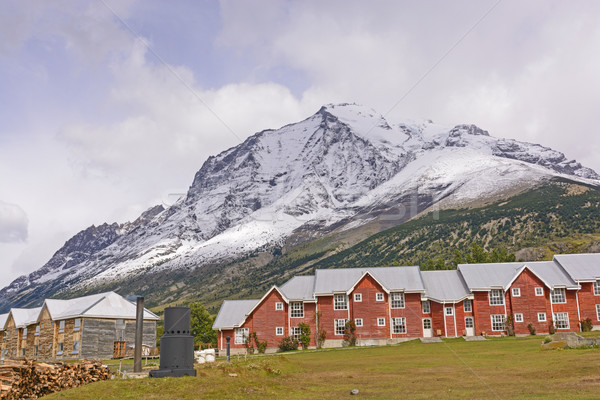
x=581 y=267
x=299 y=288
x=391 y=278
x=3 y=319
x=25 y=316
x=233 y=313
x=445 y=285
x=495 y=275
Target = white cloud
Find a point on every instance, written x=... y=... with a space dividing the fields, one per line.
x=13 y=223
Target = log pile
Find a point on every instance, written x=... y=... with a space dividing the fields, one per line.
x=28 y=379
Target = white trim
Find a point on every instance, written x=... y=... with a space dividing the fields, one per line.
x=545 y=317
x=356 y=322
x=445 y=324
x=516 y=292
x=391 y=295
x=598 y=312
x=277 y=328
x=517 y=319
x=377 y=295
x=277 y=306
x=454 y=314
x=536 y=291
x=361 y=278
x=379 y=321
x=359 y=298
x=446 y=311
x=578 y=314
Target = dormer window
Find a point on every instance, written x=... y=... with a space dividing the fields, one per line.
x=559 y=296
x=496 y=297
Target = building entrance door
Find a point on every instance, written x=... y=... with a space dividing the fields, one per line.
x=469 y=326
x=427 y=329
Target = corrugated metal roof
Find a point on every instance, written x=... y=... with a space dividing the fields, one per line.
x=392 y=278
x=3 y=319
x=581 y=267
x=25 y=316
x=299 y=288
x=486 y=276
x=445 y=285
x=233 y=313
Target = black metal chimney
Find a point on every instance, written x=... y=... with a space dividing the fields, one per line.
x=176 y=345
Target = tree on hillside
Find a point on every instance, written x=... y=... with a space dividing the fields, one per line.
x=201 y=324
x=478 y=255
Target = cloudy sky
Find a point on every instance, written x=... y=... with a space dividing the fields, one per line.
x=108 y=107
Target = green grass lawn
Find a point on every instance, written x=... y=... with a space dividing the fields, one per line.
x=507 y=368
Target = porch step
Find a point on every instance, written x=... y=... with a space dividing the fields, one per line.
x=474 y=338
x=431 y=340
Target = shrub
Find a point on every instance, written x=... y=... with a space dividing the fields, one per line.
x=288 y=343
x=304 y=335
x=586 y=325
x=510 y=325
x=531 y=329
x=547 y=339
x=552 y=330
x=261 y=347
x=350 y=334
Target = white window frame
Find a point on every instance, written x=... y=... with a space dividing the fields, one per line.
x=598 y=312
x=279 y=306
x=339 y=326
x=495 y=299
x=295 y=310
x=379 y=296
x=472 y=322
x=558 y=296
x=539 y=291
x=426 y=307
x=295 y=332
x=399 y=325
x=279 y=331
x=75 y=347
x=340 y=302
x=560 y=318
x=358 y=322
x=541 y=317
x=597 y=288
x=357 y=297
x=61 y=347
x=398 y=300
x=470 y=307
x=516 y=292
x=24 y=333
x=37 y=330
x=448 y=311
x=496 y=320
x=77 y=324
x=519 y=317
x=241 y=335
x=61 y=326
x=380 y=321
x=429 y=322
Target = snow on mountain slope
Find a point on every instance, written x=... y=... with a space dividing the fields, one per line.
x=333 y=168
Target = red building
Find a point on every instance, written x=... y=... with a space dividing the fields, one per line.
x=393 y=304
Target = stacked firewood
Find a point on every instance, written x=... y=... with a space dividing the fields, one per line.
x=27 y=379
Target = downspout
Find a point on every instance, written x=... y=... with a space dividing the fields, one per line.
x=444 y=314
x=390 y=314
x=505 y=315
x=551 y=308
x=454 y=314
x=578 y=314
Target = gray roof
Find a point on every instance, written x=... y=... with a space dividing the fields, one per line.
x=391 y=278
x=445 y=285
x=581 y=267
x=233 y=313
x=486 y=276
x=3 y=319
x=25 y=316
x=299 y=288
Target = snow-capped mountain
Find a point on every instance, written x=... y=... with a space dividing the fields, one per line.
x=342 y=167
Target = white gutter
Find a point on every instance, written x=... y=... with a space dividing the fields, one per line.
x=578 y=314
x=445 y=325
x=454 y=313
x=390 y=315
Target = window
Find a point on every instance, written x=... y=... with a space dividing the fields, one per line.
x=596 y=288
x=397 y=300
x=61 y=326
x=60 y=348
x=278 y=306
x=518 y=317
x=297 y=309
x=119 y=324
x=539 y=291
x=449 y=311
x=23 y=351
x=561 y=320
x=241 y=334
x=295 y=331
x=542 y=317
x=469 y=323
x=496 y=297
x=426 y=307
x=340 y=326
x=399 y=325
x=77 y=324
x=24 y=333
x=379 y=297
x=497 y=322
x=426 y=323
x=75 y=346
x=279 y=331
x=598 y=312
x=558 y=296
x=37 y=330
x=340 y=302
x=516 y=292
x=35 y=350
x=358 y=297
x=358 y=322
x=468 y=305
x=380 y=321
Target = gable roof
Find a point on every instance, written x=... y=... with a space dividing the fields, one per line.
x=445 y=286
x=329 y=281
x=299 y=288
x=24 y=316
x=502 y=275
x=233 y=313
x=3 y=319
x=581 y=267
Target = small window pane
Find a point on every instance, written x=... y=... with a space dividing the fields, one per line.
x=399 y=325
x=340 y=302
x=558 y=296
x=518 y=317
x=358 y=322
x=449 y=311
x=496 y=297
x=539 y=291
x=426 y=307
x=541 y=317
x=397 y=300
x=340 y=326
x=278 y=306
x=380 y=321
x=279 y=331
x=379 y=297
x=516 y=292
x=241 y=334
x=468 y=306
x=561 y=320
x=597 y=288
x=297 y=309
x=469 y=322
x=498 y=322
x=357 y=297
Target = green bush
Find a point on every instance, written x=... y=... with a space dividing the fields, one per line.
x=586 y=325
x=531 y=329
x=288 y=343
x=547 y=339
x=304 y=335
